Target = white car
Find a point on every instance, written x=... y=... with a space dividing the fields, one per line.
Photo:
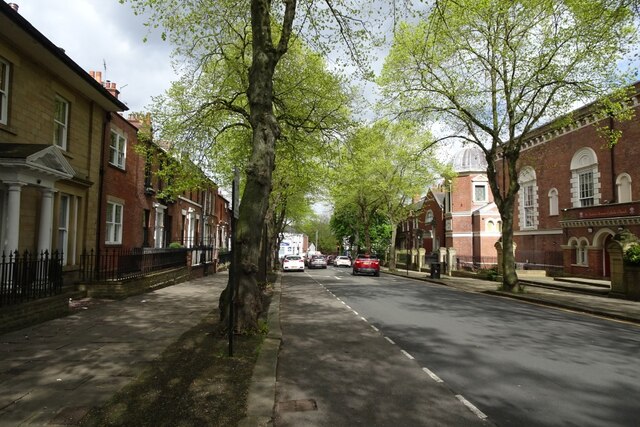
x=293 y=263
x=342 y=261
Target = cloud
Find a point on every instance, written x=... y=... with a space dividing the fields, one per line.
x=95 y=33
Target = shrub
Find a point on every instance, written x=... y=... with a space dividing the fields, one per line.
x=175 y=245
x=632 y=255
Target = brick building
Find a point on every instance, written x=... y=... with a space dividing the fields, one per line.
x=577 y=193
x=456 y=222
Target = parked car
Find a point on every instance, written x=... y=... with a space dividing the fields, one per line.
x=318 y=261
x=342 y=261
x=293 y=263
x=366 y=263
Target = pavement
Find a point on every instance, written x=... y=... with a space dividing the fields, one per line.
x=320 y=365
x=54 y=372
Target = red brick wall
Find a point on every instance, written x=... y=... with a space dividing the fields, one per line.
x=551 y=161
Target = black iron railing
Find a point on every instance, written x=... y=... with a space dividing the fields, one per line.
x=29 y=276
x=122 y=264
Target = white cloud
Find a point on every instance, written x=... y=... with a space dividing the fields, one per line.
x=98 y=32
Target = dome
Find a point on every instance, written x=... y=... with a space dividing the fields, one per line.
x=469 y=159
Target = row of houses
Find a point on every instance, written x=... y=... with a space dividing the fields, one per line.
x=76 y=176
x=576 y=193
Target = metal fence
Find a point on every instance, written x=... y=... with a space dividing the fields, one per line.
x=474 y=263
x=122 y=264
x=539 y=260
x=28 y=276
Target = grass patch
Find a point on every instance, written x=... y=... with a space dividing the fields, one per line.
x=193 y=383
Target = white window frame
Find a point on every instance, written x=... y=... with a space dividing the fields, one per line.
x=484 y=186
x=429 y=217
x=158 y=232
x=623 y=184
x=528 y=198
x=114 y=220
x=528 y=206
x=117 y=149
x=585 y=179
x=5 y=73
x=64 y=212
x=61 y=124
x=586 y=188
x=553 y=202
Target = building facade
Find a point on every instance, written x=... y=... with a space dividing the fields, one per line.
x=577 y=192
x=52 y=121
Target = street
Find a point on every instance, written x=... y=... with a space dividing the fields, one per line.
x=518 y=363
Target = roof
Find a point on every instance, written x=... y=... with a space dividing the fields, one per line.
x=29 y=41
x=470 y=158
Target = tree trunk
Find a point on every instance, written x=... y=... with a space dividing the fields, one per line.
x=392 y=249
x=509 y=276
x=255 y=199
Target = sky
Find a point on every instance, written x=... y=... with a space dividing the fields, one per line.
x=104 y=35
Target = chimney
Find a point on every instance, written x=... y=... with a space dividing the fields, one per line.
x=97 y=76
x=111 y=87
x=13 y=6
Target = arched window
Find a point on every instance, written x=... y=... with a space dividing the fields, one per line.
x=491 y=226
x=428 y=217
x=585 y=178
x=623 y=184
x=581 y=253
x=553 y=202
x=528 y=198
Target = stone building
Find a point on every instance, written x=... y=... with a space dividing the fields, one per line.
x=52 y=120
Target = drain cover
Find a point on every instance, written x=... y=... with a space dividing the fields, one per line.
x=298 y=405
x=69 y=416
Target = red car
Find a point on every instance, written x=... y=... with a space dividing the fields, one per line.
x=366 y=263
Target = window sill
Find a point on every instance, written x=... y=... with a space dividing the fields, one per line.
x=117 y=167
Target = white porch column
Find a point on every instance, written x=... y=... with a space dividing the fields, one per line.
x=13 y=216
x=46 y=221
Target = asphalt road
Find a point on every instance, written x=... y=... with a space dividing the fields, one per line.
x=520 y=364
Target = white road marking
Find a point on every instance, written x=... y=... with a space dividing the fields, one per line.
x=348 y=307
x=471 y=407
x=432 y=375
x=338 y=278
x=389 y=339
x=363 y=318
x=375 y=329
x=407 y=354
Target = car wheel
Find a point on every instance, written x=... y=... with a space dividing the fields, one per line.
x=377 y=274
x=353 y=272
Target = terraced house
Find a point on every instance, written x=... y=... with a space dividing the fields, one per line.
x=75 y=184
x=53 y=117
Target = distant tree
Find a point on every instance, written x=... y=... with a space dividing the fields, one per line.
x=488 y=72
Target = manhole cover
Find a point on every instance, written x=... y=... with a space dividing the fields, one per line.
x=69 y=416
x=298 y=405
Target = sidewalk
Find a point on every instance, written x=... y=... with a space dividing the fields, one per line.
x=599 y=305
x=54 y=372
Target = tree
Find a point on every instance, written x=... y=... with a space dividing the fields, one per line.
x=489 y=72
x=384 y=166
x=238 y=46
